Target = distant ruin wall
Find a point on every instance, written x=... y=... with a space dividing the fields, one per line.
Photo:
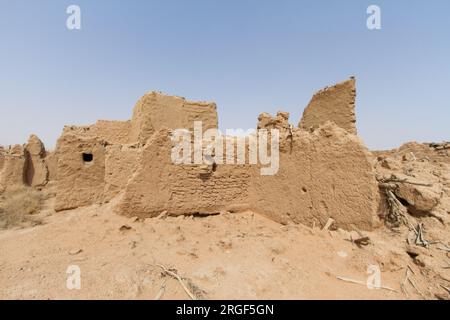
x=14 y=167
x=36 y=171
x=336 y=104
x=24 y=165
x=2 y=157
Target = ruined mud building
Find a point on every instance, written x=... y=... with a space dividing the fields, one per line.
x=325 y=170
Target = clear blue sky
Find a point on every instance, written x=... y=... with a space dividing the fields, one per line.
x=247 y=56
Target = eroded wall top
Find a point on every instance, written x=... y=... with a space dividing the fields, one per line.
x=336 y=104
x=155 y=111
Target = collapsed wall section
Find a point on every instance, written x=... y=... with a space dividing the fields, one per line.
x=81 y=171
x=434 y=152
x=336 y=104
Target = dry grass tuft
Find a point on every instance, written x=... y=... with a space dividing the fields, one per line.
x=17 y=207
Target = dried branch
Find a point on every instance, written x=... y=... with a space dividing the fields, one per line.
x=174 y=275
x=363 y=283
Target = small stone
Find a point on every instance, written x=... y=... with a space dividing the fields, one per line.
x=342 y=254
x=125 y=227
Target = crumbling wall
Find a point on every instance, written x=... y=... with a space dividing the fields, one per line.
x=336 y=104
x=326 y=174
x=155 y=111
x=81 y=171
x=323 y=174
x=159 y=185
x=14 y=167
x=434 y=152
x=51 y=161
x=114 y=132
x=120 y=164
x=419 y=176
x=36 y=170
x=279 y=122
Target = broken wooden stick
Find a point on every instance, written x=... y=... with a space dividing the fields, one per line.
x=397 y=212
x=443 y=247
x=363 y=283
x=397 y=180
x=420 y=239
x=328 y=224
x=403 y=284
x=407 y=278
x=446 y=288
x=180 y=280
x=162 y=215
x=415 y=287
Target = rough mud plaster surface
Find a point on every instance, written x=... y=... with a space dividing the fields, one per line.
x=114 y=132
x=155 y=111
x=336 y=104
x=120 y=164
x=37 y=173
x=158 y=185
x=327 y=173
x=79 y=183
x=52 y=165
x=14 y=165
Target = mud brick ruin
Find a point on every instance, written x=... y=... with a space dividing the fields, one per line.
x=324 y=171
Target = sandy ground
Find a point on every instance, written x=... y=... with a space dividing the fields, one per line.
x=227 y=256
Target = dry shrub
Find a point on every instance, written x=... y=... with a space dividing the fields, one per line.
x=17 y=207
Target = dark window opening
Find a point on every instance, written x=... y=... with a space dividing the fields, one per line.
x=88 y=157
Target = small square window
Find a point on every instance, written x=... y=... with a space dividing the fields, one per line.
x=87 y=157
